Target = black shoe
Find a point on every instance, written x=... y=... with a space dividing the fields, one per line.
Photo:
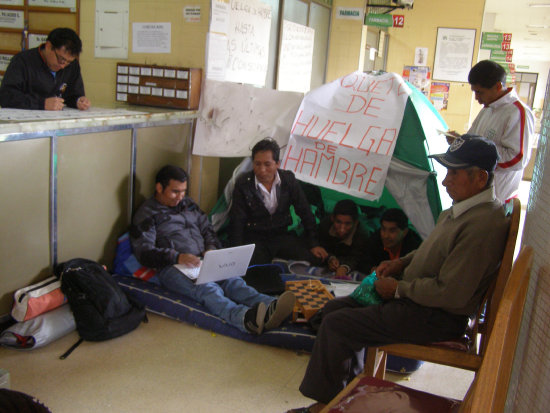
x=254 y=318
x=279 y=310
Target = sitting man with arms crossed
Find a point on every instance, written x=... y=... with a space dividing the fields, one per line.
x=169 y=228
x=428 y=294
x=392 y=240
x=46 y=77
x=341 y=236
x=260 y=211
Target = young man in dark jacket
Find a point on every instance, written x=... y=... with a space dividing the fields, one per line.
x=169 y=228
x=392 y=240
x=343 y=239
x=47 y=77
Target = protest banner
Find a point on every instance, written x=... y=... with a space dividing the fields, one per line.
x=345 y=132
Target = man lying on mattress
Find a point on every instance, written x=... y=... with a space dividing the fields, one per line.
x=169 y=228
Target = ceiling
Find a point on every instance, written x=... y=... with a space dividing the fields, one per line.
x=530 y=27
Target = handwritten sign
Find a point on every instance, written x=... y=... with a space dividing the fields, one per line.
x=296 y=57
x=345 y=132
x=248 y=42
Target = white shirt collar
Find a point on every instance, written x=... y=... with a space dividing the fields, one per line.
x=276 y=182
x=461 y=207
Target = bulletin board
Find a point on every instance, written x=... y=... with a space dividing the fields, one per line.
x=25 y=24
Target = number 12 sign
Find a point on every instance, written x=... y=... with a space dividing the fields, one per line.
x=398 y=20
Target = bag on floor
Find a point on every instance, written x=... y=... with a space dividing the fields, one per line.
x=101 y=309
x=37 y=299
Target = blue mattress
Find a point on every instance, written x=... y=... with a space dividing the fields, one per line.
x=166 y=303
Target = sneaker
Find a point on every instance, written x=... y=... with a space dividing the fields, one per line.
x=254 y=318
x=279 y=310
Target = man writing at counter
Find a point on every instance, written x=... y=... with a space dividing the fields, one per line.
x=46 y=77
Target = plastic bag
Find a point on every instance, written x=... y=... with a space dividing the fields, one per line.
x=366 y=294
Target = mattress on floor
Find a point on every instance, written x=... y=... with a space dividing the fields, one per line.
x=298 y=337
x=158 y=300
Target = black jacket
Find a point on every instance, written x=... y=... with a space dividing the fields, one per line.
x=250 y=221
x=28 y=82
x=375 y=253
x=349 y=251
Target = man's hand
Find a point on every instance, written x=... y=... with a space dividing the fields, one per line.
x=83 y=103
x=189 y=260
x=389 y=268
x=319 y=252
x=54 y=103
x=386 y=287
x=341 y=273
x=333 y=263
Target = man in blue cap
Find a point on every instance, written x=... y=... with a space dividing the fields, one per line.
x=429 y=293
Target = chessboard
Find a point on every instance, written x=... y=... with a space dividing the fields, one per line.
x=311 y=296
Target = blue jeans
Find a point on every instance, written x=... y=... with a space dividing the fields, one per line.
x=229 y=299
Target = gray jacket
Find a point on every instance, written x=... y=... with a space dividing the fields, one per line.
x=160 y=233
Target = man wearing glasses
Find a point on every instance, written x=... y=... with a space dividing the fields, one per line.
x=47 y=77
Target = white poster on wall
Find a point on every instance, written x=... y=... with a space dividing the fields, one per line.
x=345 y=132
x=454 y=51
x=229 y=129
x=219 y=20
x=248 y=42
x=296 y=57
x=216 y=55
x=151 y=37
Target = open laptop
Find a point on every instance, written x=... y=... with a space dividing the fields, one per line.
x=218 y=265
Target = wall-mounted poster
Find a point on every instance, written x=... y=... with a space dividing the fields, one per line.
x=296 y=57
x=439 y=95
x=453 y=54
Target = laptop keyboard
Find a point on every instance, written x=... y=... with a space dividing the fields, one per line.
x=192 y=272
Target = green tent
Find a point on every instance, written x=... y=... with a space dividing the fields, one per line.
x=411 y=181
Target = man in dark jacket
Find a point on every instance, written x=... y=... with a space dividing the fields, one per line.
x=47 y=77
x=392 y=240
x=260 y=211
x=169 y=228
x=343 y=239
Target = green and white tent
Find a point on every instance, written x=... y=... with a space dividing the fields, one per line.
x=333 y=141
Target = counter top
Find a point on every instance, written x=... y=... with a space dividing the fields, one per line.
x=18 y=124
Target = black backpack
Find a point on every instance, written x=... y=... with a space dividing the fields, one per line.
x=100 y=308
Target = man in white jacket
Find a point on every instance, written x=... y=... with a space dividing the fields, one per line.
x=504 y=119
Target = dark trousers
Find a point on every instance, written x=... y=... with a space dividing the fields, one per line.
x=287 y=246
x=348 y=328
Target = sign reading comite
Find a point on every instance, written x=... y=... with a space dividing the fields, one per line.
x=345 y=132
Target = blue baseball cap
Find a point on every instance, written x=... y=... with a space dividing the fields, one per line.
x=469 y=150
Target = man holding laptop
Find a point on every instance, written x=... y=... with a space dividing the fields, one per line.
x=169 y=229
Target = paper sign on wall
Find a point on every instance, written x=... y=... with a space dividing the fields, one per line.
x=248 y=42
x=296 y=57
x=345 y=132
x=151 y=37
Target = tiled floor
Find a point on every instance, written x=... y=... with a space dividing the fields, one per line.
x=167 y=366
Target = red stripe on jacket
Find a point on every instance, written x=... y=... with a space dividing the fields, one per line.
x=519 y=156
